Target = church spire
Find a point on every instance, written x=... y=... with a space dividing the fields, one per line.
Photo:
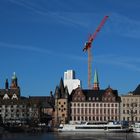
x=14 y=83
x=96 y=81
x=6 y=84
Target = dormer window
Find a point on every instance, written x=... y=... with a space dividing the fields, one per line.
x=14 y=96
x=97 y=99
x=6 y=97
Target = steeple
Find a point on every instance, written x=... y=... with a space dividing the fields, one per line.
x=61 y=86
x=14 y=83
x=6 y=84
x=96 y=81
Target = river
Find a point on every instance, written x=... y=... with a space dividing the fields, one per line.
x=70 y=136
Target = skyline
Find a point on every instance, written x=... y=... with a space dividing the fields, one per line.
x=40 y=40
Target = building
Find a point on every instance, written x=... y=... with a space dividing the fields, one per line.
x=70 y=81
x=95 y=105
x=130 y=106
x=87 y=104
x=15 y=108
x=61 y=104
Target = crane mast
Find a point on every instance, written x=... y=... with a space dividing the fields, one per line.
x=88 y=48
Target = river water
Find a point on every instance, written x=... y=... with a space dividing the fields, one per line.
x=70 y=136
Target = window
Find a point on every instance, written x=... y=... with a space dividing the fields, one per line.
x=89 y=111
x=82 y=110
x=89 y=98
x=100 y=111
x=78 y=110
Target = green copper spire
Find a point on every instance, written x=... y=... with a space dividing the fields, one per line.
x=96 y=77
x=14 y=76
x=96 y=81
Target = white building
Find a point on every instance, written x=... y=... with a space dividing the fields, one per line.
x=70 y=81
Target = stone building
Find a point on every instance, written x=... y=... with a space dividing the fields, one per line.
x=130 y=106
x=86 y=105
x=15 y=108
x=61 y=104
x=95 y=105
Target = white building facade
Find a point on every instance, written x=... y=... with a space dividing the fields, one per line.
x=70 y=81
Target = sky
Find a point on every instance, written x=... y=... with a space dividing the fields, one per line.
x=40 y=39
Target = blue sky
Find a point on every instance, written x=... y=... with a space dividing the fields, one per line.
x=40 y=39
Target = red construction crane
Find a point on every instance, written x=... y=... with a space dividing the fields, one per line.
x=88 y=48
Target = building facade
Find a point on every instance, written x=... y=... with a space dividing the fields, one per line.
x=130 y=106
x=70 y=81
x=15 y=108
x=86 y=105
x=95 y=105
x=61 y=104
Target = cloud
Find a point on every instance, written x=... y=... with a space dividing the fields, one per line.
x=62 y=17
x=43 y=51
x=124 y=26
x=128 y=63
x=24 y=47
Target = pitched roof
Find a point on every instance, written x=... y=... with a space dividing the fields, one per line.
x=97 y=94
x=137 y=90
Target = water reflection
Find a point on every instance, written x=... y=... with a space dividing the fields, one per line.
x=71 y=136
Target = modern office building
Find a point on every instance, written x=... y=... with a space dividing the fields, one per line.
x=70 y=81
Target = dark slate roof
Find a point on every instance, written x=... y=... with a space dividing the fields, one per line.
x=98 y=93
x=10 y=92
x=13 y=102
x=94 y=93
x=45 y=101
x=137 y=90
x=90 y=93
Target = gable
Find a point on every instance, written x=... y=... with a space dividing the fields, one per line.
x=78 y=95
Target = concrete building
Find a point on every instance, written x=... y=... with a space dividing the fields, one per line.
x=70 y=81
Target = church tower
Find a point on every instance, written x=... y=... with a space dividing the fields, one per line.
x=96 y=81
x=14 y=82
x=61 y=104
